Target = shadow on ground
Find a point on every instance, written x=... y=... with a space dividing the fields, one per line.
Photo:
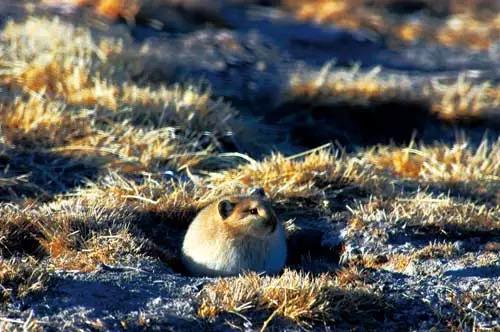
x=489 y=271
x=354 y=125
x=105 y=296
x=44 y=174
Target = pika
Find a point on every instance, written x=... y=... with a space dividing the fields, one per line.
x=233 y=235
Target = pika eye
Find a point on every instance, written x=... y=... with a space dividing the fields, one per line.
x=253 y=211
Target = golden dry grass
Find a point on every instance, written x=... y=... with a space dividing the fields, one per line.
x=378 y=170
x=447 y=216
x=441 y=214
x=470 y=24
x=457 y=163
x=20 y=277
x=353 y=86
x=397 y=262
x=465 y=100
x=36 y=121
x=98 y=250
x=72 y=234
x=459 y=100
x=73 y=93
x=437 y=250
x=284 y=177
x=295 y=296
x=85 y=71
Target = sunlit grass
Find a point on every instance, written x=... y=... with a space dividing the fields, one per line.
x=454 y=101
x=456 y=23
x=73 y=93
x=295 y=296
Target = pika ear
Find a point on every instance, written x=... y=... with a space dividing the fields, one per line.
x=258 y=192
x=225 y=208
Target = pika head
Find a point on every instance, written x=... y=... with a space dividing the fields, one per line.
x=251 y=216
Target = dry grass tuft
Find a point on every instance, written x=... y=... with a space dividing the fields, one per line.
x=432 y=214
x=289 y=177
x=394 y=262
x=73 y=93
x=38 y=122
x=18 y=233
x=351 y=275
x=21 y=276
x=464 y=100
x=436 y=250
x=298 y=297
x=382 y=170
x=89 y=255
x=347 y=86
x=441 y=163
x=455 y=101
x=445 y=215
x=398 y=262
x=74 y=234
x=171 y=199
x=116 y=8
x=451 y=23
x=80 y=236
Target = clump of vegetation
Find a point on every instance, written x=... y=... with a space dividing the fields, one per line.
x=21 y=276
x=441 y=214
x=294 y=296
x=288 y=177
x=354 y=86
x=398 y=262
x=72 y=94
x=456 y=163
x=455 y=101
x=452 y=23
x=464 y=100
x=437 y=250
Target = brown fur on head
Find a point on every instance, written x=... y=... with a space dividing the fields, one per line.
x=248 y=215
